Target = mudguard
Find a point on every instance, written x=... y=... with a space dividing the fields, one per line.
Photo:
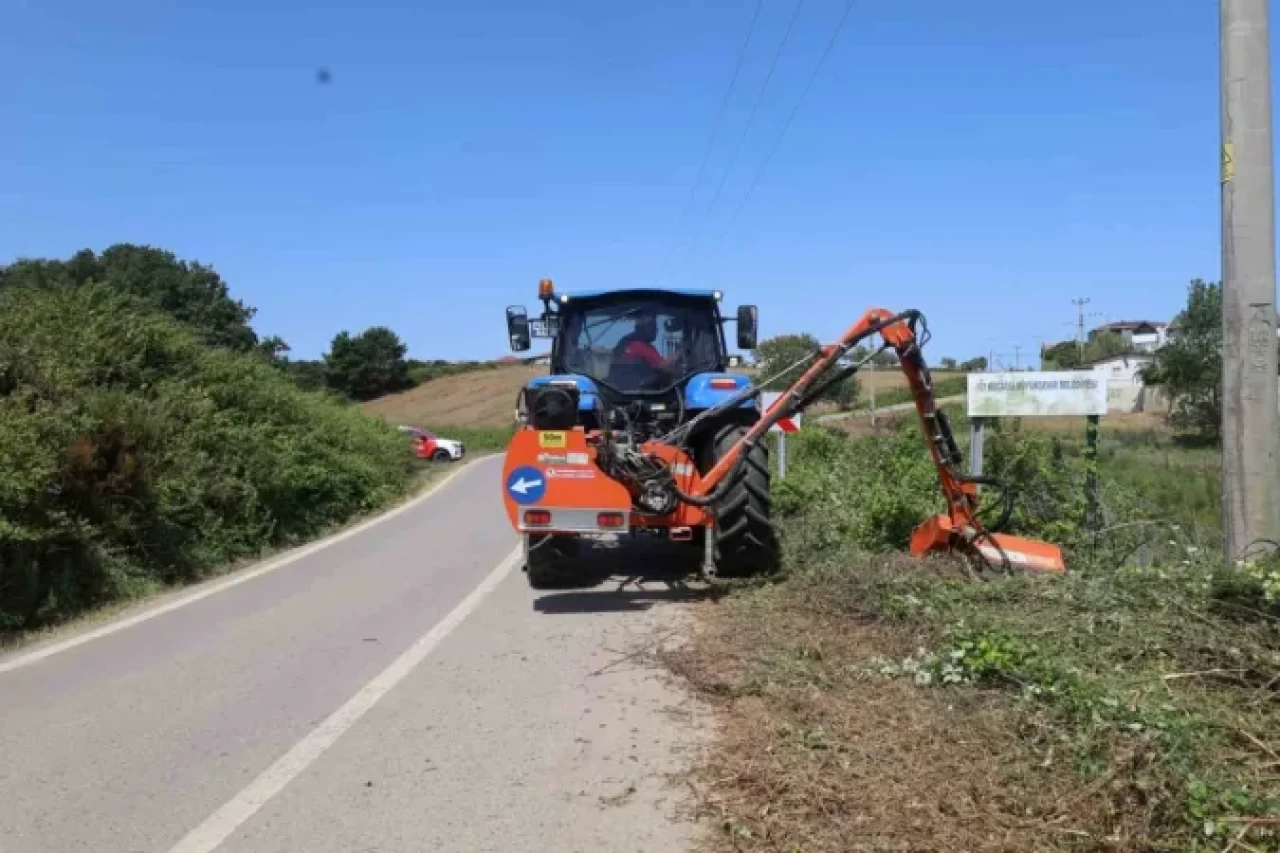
x=702 y=391
x=705 y=390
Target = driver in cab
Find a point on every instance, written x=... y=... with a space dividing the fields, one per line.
x=637 y=347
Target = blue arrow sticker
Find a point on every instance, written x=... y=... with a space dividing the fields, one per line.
x=526 y=485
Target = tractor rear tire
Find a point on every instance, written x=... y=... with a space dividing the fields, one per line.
x=746 y=540
x=554 y=561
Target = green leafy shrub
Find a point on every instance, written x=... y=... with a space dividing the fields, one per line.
x=1150 y=671
x=867 y=491
x=133 y=455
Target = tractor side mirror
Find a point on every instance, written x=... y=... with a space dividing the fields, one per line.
x=747 y=327
x=518 y=328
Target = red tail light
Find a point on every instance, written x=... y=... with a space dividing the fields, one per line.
x=724 y=384
x=610 y=519
x=537 y=517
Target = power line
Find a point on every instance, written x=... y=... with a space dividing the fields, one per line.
x=755 y=109
x=777 y=143
x=715 y=133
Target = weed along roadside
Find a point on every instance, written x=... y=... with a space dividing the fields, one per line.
x=874 y=702
x=139 y=459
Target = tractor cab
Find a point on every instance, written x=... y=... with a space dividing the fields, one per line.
x=659 y=346
x=632 y=341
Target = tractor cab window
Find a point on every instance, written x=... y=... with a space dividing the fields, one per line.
x=639 y=345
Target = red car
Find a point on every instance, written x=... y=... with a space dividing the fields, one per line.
x=428 y=445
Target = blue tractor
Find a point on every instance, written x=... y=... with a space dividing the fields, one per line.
x=640 y=384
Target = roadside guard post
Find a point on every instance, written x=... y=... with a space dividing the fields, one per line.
x=1041 y=394
x=781 y=428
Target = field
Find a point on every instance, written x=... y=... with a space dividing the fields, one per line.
x=889 y=378
x=482 y=399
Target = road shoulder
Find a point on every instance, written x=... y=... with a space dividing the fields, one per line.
x=541 y=723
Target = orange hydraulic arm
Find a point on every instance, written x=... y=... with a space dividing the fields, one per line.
x=960 y=526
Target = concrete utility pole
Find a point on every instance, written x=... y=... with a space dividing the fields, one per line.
x=1250 y=440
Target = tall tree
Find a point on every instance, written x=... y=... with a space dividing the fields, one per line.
x=1189 y=366
x=308 y=375
x=367 y=365
x=191 y=292
x=1063 y=356
x=275 y=349
x=1069 y=354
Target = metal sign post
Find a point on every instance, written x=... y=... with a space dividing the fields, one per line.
x=977 y=435
x=781 y=428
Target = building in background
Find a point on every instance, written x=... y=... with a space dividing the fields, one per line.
x=1138 y=335
x=1126 y=392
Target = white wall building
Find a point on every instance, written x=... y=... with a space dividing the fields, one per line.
x=1126 y=391
x=1141 y=335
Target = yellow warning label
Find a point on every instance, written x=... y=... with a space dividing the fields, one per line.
x=553 y=439
x=1228 y=161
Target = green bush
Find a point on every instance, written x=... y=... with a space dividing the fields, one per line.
x=132 y=455
x=867 y=491
x=1150 y=671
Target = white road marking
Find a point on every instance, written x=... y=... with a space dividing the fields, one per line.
x=219 y=826
x=40 y=654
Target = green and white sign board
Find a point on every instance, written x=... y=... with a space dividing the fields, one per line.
x=1017 y=395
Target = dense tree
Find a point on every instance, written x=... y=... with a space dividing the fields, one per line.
x=1189 y=366
x=190 y=292
x=948 y=364
x=308 y=375
x=367 y=365
x=1063 y=356
x=275 y=349
x=1105 y=344
x=1069 y=354
x=974 y=365
x=132 y=455
x=778 y=353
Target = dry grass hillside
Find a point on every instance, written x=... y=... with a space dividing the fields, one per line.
x=487 y=398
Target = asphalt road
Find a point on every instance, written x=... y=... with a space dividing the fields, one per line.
x=400 y=689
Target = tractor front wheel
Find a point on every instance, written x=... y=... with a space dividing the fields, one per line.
x=553 y=561
x=746 y=540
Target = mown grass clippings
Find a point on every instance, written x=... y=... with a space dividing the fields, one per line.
x=871 y=701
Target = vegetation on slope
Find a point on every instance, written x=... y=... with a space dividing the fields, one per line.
x=1132 y=705
x=133 y=455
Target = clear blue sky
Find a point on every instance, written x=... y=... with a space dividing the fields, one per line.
x=984 y=162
